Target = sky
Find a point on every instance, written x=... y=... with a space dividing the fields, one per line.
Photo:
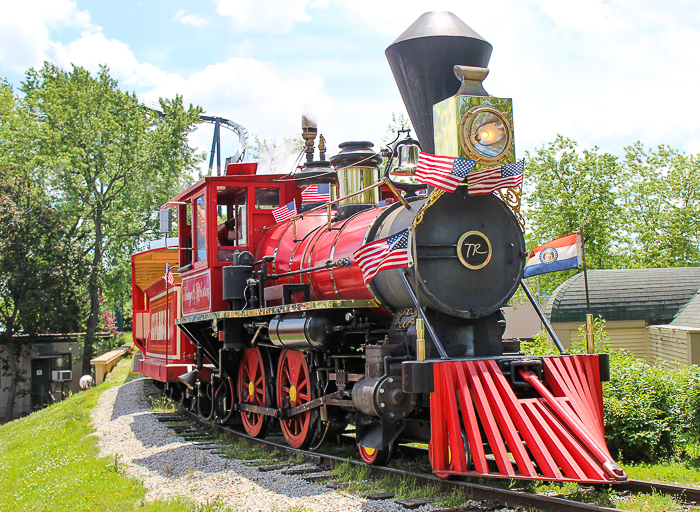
x=605 y=73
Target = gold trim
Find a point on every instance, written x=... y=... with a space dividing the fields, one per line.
x=461 y=257
x=512 y=197
x=278 y=310
x=434 y=196
x=467 y=143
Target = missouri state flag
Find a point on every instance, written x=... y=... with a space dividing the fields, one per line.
x=560 y=254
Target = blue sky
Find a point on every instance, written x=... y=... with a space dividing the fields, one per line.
x=606 y=73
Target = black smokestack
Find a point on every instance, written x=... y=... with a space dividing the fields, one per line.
x=422 y=61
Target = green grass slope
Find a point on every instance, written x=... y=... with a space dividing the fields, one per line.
x=49 y=461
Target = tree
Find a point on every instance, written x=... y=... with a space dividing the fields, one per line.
x=566 y=188
x=110 y=164
x=662 y=207
x=274 y=157
x=40 y=273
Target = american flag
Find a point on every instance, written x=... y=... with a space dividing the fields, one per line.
x=445 y=172
x=285 y=212
x=422 y=192
x=169 y=274
x=316 y=193
x=389 y=252
x=489 y=180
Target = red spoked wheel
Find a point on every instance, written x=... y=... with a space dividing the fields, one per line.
x=253 y=378
x=467 y=454
x=294 y=388
x=376 y=457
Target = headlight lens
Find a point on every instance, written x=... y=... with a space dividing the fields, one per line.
x=486 y=134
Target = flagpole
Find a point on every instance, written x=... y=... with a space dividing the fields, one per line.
x=590 y=343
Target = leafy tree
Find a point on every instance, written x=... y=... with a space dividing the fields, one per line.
x=662 y=207
x=110 y=164
x=40 y=273
x=566 y=188
x=274 y=157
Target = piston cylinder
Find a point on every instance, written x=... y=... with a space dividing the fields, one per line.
x=303 y=332
x=382 y=396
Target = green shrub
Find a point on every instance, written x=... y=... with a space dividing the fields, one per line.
x=651 y=411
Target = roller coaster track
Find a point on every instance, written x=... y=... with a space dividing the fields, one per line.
x=218 y=123
x=507 y=497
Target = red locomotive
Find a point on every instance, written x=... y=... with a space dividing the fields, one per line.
x=271 y=321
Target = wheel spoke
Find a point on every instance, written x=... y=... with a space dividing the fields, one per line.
x=294 y=367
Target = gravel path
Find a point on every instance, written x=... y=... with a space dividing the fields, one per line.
x=170 y=467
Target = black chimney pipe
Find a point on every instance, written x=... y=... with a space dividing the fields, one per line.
x=422 y=61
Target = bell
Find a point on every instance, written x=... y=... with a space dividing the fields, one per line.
x=189 y=379
x=407 y=151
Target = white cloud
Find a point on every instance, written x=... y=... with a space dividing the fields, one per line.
x=189 y=19
x=24 y=29
x=93 y=49
x=270 y=16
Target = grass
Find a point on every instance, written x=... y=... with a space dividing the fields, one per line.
x=160 y=404
x=49 y=461
x=667 y=472
x=604 y=498
x=243 y=450
x=456 y=498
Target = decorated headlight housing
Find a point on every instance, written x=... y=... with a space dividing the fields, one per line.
x=486 y=135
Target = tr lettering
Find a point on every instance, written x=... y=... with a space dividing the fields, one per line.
x=473 y=249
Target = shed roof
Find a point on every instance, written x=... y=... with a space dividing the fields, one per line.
x=689 y=315
x=652 y=294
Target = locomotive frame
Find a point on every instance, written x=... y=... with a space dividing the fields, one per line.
x=273 y=323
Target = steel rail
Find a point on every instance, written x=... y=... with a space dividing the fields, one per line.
x=509 y=498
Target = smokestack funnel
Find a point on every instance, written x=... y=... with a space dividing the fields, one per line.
x=422 y=60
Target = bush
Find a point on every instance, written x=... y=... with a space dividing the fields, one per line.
x=651 y=411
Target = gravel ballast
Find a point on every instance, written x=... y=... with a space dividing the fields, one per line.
x=171 y=467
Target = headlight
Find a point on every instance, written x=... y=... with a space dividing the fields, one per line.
x=486 y=135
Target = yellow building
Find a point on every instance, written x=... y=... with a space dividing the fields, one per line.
x=640 y=307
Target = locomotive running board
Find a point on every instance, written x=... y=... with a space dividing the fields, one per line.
x=557 y=435
x=278 y=310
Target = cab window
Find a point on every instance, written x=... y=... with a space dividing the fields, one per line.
x=231 y=222
x=200 y=251
x=267 y=198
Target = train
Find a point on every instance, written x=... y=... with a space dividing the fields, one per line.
x=268 y=320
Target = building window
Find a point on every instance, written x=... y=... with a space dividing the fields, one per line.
x=62 y=362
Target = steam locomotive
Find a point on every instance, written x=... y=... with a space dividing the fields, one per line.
x=269 y=322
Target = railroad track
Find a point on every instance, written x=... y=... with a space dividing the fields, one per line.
x=491 y=497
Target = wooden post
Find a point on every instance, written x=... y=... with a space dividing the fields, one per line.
x=590 y=343
x=167 y=321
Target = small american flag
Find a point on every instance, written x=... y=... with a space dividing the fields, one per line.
x=389 y=252
x=422 y=192
x=169 y=274
x=489 y=180
x=285 y=212
x=445 y=172
x=316 y=193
